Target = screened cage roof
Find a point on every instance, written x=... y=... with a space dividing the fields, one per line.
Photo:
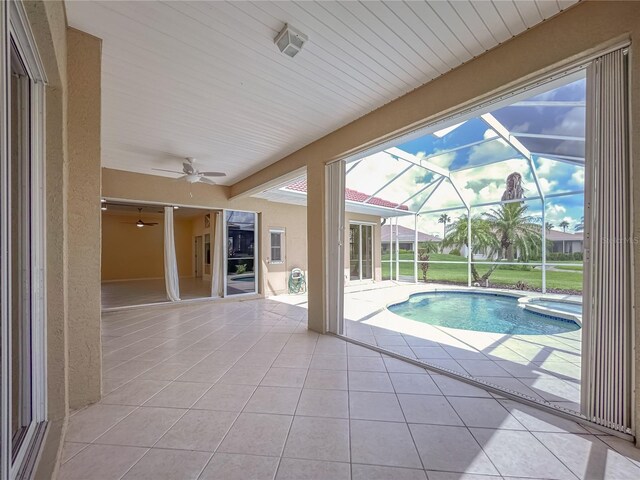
x=541 y=137
x=463 y=165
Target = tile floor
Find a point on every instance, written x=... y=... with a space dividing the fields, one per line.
x=142 y=292
x=545 y=367
x=243 y=391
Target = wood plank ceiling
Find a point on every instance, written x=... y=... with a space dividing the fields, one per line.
x=204 y=79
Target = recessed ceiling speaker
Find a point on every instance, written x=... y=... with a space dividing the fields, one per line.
x=290 y=40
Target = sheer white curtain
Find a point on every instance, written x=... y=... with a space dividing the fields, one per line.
x=218 y=245
x=606 y=362
x=171 y=278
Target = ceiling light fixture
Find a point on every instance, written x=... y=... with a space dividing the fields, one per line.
x=139 y=224
x=290 y=40
x=103 y=207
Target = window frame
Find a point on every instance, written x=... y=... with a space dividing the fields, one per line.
x=282 y=233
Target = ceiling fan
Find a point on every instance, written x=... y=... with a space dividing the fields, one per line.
x=140 y=223
x=191 y=174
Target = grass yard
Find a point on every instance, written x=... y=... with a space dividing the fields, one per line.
x=567 y=278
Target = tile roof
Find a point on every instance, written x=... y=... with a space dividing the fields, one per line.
x=406 y=235
x=350 y=195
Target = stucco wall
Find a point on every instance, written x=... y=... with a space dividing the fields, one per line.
x=84 y=59
x=117 y=184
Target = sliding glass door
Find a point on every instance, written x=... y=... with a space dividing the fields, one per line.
x=360 y=251
x=22 y=259
x=241 y=252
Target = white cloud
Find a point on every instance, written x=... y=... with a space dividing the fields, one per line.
x=578 y=177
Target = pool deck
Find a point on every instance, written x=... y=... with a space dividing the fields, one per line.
x=545 y=367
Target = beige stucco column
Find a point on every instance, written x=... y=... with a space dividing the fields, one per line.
x=84 y=59
x=316 y=246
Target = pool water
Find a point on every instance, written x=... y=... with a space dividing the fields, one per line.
x=481 y=312
x=575 y=308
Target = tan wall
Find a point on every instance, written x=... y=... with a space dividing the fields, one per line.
x=584 y=29
x=183 y=237
x=129 y=252
x=84 y=59
x=153 y=189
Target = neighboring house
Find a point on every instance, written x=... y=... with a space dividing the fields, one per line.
x=406 y=237
x=565 y=242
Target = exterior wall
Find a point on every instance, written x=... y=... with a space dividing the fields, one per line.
x=84 y=58
x=273 y=278
x=586 y=28
x=350 y=217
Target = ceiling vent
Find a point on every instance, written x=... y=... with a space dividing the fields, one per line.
x=290 y=40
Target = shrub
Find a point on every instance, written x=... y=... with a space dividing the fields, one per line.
x=241 y=268
x=455 y=252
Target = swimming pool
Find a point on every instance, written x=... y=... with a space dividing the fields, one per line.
x=481 y=312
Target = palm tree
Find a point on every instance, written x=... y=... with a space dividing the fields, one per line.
x=424 y=253
x=516 y=231
x=564 y=225
x=483 y=239
x=549 y=226
x=444 y=218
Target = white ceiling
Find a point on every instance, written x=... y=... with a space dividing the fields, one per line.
x=204 y=79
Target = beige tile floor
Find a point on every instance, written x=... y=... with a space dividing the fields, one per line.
x=142 y=292
x=243 y=391
x=545 y=367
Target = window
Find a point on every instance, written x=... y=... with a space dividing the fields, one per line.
x=277 y=245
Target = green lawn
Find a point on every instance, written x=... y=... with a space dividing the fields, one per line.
x=506 y=276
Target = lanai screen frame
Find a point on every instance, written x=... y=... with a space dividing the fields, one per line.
x=444 y=175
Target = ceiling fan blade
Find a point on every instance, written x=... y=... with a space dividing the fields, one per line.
x=149 y=224
x=181 y=177
x=164 y=170
x=213 y=174
x=188 y=168
x=207 y=181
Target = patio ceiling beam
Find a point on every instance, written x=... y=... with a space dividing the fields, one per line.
x=407 y=157
x=573 y=160
x=461 y=147
x=439 y=179
x=548 y=103
x=409 y=167
x=548 y=136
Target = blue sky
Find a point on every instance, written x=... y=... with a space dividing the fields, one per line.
x=486 y=182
